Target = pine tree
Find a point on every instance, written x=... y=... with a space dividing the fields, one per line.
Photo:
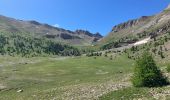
x=147 y=74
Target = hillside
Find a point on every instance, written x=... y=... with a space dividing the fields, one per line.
x=27 y=45
x=79 y=37
x=137 y=29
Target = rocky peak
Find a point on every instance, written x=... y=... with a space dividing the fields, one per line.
x=84 y=32
x=98 y=35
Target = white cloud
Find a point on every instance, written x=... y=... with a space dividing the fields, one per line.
x=56 y=25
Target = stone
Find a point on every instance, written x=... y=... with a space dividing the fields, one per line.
x=19 y=91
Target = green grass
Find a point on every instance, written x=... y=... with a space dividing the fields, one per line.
x=128 y=94
x=63 y=78
x=49 y=78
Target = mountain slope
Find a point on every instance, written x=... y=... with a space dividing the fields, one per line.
x=140 y=28
x=75 y=38
x=26 y=45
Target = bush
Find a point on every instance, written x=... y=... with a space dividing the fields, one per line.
x=147 y=74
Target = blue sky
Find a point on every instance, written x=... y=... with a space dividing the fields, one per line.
x=93 y=15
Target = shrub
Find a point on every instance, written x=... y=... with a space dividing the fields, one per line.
x=147 y=74
x=105 y=55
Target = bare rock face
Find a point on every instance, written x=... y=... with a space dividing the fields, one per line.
x=129 y=23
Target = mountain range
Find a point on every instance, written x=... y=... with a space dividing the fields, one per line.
x=78 y=37
x=132 y=30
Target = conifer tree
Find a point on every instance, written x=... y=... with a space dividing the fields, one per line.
x=147 y=74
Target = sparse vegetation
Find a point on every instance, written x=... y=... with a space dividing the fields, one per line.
x=94 y=54
x=119 y=43
x=110 y=46
x=127 y=94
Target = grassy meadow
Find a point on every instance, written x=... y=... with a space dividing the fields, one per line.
x=70 y=78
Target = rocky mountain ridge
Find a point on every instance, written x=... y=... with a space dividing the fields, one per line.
x=145 y=26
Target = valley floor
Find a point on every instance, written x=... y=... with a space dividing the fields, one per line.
x=72 y=78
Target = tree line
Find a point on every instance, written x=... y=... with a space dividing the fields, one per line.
x=27 y=45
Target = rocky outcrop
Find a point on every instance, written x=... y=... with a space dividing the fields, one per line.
x=129 y=23
x=98 y=35
x=85 y=32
